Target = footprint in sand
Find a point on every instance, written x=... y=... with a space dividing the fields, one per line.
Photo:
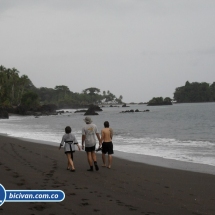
x=15 y=175
x=39 y=207
x=72 y=194
x=85 y=204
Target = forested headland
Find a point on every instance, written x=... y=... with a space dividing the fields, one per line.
x=160 y=101
x=190 y=93
x=195 y=92
x=19 y=91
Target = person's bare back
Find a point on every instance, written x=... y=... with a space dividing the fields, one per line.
x=107 y=134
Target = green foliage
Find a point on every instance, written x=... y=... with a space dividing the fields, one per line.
x=91 y=91
x=109 y=97
x=63 y=97
x=160 y=101
x=16 y=90
x=92 y=95
x=119 y=100
x=12 y=87
x=167 y=100
x=195 y=92
x=30 y=100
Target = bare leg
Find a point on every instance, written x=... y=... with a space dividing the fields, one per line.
x=109 y=161
x=89 y=158
x=103 y=159
x=93 y=156
x=70 y=161
x=94 y=160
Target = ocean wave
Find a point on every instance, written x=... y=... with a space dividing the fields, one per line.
x=190 y=151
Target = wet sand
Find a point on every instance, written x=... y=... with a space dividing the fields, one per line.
x=128 y=188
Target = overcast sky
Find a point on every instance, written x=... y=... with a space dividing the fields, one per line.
x=135 y=48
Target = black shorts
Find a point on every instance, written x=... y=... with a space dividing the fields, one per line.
x=90 y=149
x=107 y=147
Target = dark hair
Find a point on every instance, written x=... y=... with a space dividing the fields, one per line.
x=106 y=124
x=68 y=129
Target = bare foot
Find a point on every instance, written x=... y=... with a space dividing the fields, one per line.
x=103 y=165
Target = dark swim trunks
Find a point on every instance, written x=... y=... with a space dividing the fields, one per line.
x=90 y=149
x=107 y=147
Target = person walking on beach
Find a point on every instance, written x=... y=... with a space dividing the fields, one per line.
x=107 y=145
x=69 y=141
x=89 y=134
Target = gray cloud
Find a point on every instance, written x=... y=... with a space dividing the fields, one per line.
x=138 y=49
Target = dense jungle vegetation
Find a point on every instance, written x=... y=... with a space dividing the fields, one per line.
x=16 y=90
x=195 y=92
x=191 y=92
x=160 y=101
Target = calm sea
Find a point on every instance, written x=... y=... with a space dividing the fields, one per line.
x=183 y=132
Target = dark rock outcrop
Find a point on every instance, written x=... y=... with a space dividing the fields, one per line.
x=92 y=110
x=60 y=111
x=95 y=107
x=4 y=114
x=50 y=108
x=22 y=110
x=128 y=111
x=132 y=111
x=159 y=104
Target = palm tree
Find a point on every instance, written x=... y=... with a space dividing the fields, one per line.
x=62 y=89
x=91 y=91
x=24 y=81
x=14 y=79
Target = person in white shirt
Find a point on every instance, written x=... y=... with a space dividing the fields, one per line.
x=89 y=134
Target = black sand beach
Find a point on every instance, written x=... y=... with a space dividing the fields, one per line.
x=128 y=188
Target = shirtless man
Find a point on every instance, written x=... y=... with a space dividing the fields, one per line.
x=107 y=145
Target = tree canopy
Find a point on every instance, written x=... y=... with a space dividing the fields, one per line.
x=91 y=91
x=160 y=101
x=30 y=100
x=195 y=92
x=19 y=90
x=12 y=86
